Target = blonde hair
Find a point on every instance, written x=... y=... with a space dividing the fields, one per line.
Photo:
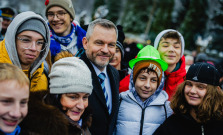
x=12 y=72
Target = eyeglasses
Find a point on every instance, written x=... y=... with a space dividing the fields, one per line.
x=27 y=44
x=59 y=15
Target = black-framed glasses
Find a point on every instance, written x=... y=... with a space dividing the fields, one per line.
x=59 y=15
x=27 y=43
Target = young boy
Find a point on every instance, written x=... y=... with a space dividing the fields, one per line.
x=170 y=44
x=145 y=105
x=14 y=94
x=65 y=34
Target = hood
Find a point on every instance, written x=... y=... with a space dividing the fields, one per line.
x=10 y=40
x=160 y=35
x=151 y=98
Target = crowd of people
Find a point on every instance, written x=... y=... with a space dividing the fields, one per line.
x=57 y=78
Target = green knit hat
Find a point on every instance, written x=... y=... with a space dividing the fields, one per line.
x=66 y=4
x=149 y=53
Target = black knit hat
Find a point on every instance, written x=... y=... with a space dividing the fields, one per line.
x=121 y=38
x=204 y=73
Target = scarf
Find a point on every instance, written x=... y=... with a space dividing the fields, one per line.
x=66 y=39
x=56 y=41
x=15 y=132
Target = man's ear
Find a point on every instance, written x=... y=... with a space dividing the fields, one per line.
x=85 y=42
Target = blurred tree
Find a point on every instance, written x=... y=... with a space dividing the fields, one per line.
x=217 y=29
x=179 y=12
x=97 y=3
x=162 y=18
x=194 y=23
x=218 y=17
x=114 y=8
x=136 y=16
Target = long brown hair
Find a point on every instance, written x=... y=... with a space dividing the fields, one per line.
x=210 y=108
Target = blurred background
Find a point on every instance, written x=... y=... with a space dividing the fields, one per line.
x=199 y=21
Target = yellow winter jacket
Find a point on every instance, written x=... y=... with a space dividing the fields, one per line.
x=38 y=79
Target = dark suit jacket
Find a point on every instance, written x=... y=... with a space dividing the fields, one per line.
x=103 y=123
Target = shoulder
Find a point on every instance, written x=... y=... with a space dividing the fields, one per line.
x=113 y=70
x=79 y=29
x=41 y=115
x=125 y=94
x=161 y=98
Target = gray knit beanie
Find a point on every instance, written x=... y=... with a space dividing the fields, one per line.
x=33 y=25
x=66 y=4
x=70 y=75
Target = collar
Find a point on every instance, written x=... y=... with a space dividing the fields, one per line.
x=99 y=71
x=177 y=66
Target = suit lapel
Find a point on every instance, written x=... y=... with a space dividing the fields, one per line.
x=96 y=84
x=114 y=80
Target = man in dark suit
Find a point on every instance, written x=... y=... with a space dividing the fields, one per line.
x=100 y=47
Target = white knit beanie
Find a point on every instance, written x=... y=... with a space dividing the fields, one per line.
x=160 y=35
x=70 y=75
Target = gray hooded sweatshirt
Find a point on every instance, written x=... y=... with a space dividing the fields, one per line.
x=11 y=35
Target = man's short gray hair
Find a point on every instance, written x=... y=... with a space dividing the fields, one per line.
x=103 y=23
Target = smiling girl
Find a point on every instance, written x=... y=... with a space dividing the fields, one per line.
x=197 y=104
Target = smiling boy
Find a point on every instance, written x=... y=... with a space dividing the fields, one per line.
x=145 y=99
x=65 y=34
x=170 y=44
x=14 y=94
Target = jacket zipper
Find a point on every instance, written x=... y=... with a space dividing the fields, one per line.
x=142 y=121
x=202 y=130
x=142 y=116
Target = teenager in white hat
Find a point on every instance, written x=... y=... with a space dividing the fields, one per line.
x=170 y=44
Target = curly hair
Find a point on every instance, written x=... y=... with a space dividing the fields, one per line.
x=210 y=108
